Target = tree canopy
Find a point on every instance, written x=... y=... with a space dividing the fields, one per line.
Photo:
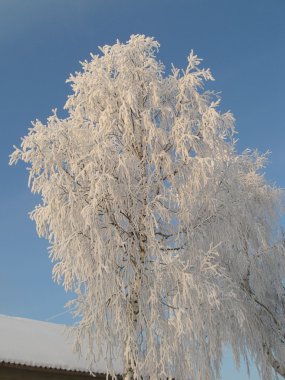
x=170 y=238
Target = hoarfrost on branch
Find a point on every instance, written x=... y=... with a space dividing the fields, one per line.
x=169 y=238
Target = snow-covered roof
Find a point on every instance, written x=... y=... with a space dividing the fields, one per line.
x=42 y=344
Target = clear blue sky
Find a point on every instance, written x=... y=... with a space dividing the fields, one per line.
x=41 y=43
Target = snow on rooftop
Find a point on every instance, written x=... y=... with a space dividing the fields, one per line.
x=42 y=344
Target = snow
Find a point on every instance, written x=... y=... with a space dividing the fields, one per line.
x=42 y=344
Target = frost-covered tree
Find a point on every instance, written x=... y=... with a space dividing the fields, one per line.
x=169 y=238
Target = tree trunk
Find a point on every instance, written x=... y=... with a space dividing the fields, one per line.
x=129 y=375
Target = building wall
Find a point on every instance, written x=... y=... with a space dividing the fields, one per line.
x=19 y=372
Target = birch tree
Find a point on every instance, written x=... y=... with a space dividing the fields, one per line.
x=170 y=238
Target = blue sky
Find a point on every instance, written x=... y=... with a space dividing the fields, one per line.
x=42 y=42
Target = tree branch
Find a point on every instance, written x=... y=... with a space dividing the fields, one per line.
x=279 y=368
